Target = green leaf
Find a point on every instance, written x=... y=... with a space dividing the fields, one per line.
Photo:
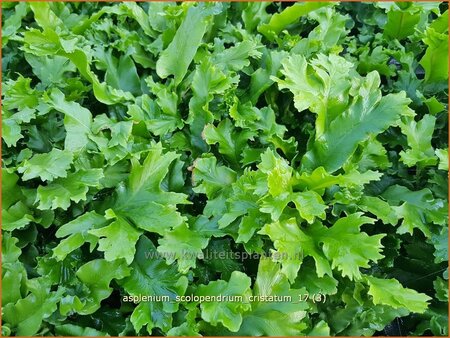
x=218 y=258
x=280 y=181
x=390 y=292
x=440 y=242
x=379 y=208
x=442 y=154
x=11 y=192
x=229 y=313
x=237 y=57
x=418 y=209
x=10 y=252
x=400 y=24
x=164 y=115
x=151 y=276
x=183 y=245
x=143 y=201
x=77 y=234
x=278 y=172
x=320 y=329
x=440 y=285
x=419 y=136
x=50 y=70
x=27 y=314
x=49 y=43
x=319 y=179
x=321 y=86
x=16 y=217
x=117 y=240
x=273 y=318
x=76 y=330
x=292 y=245
x=19 y=95
x=328 y=35
x=77 y=121
x=47 y=166
x=185 y=43
x=120 y=73
x=288 y=16
x=74 y=187
x=369 y=114
x=210 y=178
x=11 y=125
x=349 y=248
x=262 y=78
x=308 y=279
x=14 y=275
x=434 y=60
x=97 y=276
x=231 y=142
x=208 y=80
x=309 y=205
x=12 y=24
x=243 y=202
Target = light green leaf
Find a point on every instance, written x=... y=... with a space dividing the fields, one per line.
x=237 y=57
x=319 y=179
x=391 y=292
x=292 y=245
x=278 y=173
x=349 y=248
x=435 y=58
x=273 y=318
x=309 y=205
x=288 y=16
x=229 y=313
x=442 y=154
x=97 y=276
x=77 y=234
x=10 y=252
x=419 y=136
x=46 y=166
x=11 y=125
x=16 y=217
x=27 y=314
x=19 y=95
x=321 y=86
x=117 y=240
x=183 y=245
x=74 y=187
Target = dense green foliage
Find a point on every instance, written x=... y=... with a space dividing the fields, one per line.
x=141 y=141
